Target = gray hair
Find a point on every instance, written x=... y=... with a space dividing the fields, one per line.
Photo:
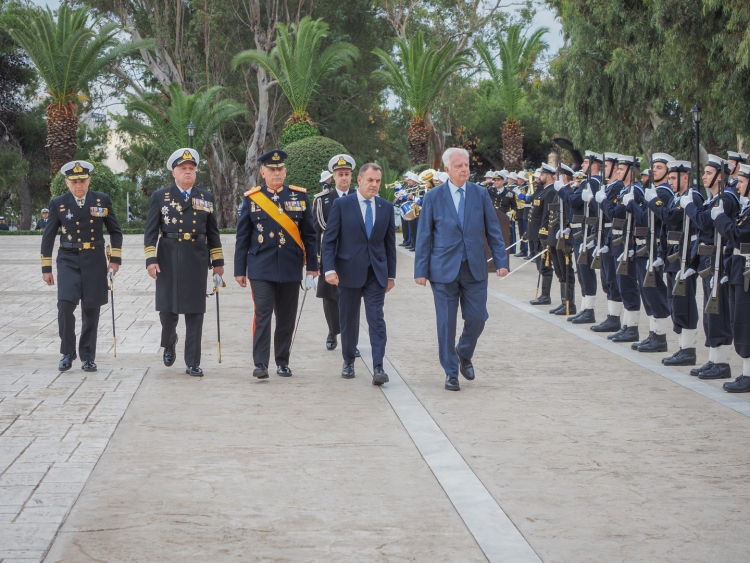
x=369 y=166
x=450 y=152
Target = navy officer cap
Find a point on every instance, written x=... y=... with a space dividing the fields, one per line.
x=275 y=158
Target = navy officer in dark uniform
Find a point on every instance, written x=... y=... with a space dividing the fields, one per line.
x=42 y=223
x=81 y=260
x=184 y=216
x=275 y=240
x=341 y=166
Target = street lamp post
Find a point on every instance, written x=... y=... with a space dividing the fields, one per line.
x=191 y=133
x=696 y=111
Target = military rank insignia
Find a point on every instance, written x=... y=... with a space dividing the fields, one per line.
x=203 y=205
x=98 y=211
x=659 y=202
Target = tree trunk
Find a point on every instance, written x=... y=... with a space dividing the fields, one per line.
x=225 y=184
x=24 y=197
x=256 y=146
x=419 y=137
x=512 y=145
x=62 y=126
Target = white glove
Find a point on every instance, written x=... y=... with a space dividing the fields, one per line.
x=516 y=191
x=744 y=201
x=591 y=244
x=558 y=185
x=650 y=194
x=685 y=200
x=717 y=210
x=658 y=263
x=689 y=272
x=725 y=279
x=110 y=274
x=600 y=196
x=604 y=249
x=309 y=283
x=510 y=214
x=566 y=232
x=586 y=195
x=218 y=282
x=631 y=253
x=627 y=198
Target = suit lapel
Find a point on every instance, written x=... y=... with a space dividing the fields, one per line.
x=381 y=215
x=358 y=212
x=449 y=202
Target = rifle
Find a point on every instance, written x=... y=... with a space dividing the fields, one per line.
x=596 y=262
x=745 y=251
x=712 y=305
x=561 y=213
x=585 y=221
x=622 y=267
x=679 y=286
x=650 y=280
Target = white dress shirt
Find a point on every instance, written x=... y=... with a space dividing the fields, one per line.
x=187 y=191
x=456 y=196
x=363 y=206
x=341 y=194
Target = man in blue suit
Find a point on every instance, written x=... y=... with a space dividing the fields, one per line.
x=359 y=249
x=455 y=219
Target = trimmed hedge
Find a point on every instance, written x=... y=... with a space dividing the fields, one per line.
x=307 y=158
x=296 y=132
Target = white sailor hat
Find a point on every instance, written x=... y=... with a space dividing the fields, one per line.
x=625 y=159
x=662 y=157
x=443 y=177
x=566 y=169
x=325 y=175
x=595 y=156
x=548 y=169
x=679 y=166
x=496 y=175
x=503 y=174
x=412 y=176
x=736 y=156
x=183 y=155
x=744 y=170
x=341 y=162
x=45 y=210
x=611 y=156
x=77 y=170
x=579 y=176
x=714 y=161
x=646 y=172
x=512 y=176
x=489 y=174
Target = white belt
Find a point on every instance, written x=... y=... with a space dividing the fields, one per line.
x=607 y=225
x=738 y=253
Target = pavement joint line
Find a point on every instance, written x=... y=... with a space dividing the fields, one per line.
x=494 y=532
x=688 y=381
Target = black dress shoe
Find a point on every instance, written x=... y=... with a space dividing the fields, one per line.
x=716 y=371
x=451 y=383
x=195 y=371
x=284 y=371
x=88 y=365
x=683 y=357
x=565 y=310
x=657 y=343
x=356 y=353
x=560 y=307
x=644 y=342
x=520 y=255
x=412 y=249
x=586 y=316
x=610 y=324
x=571 y=319
x=331 y=342
x=529 y=257
x=465 y=367
x=169 y=354
x=379 y=377
x=629 y=334
x=541 y=300
x=739 y=385
x=347 y=372
x=260 y=371
x=66 y=362
x=618 y=333
x=695 y=372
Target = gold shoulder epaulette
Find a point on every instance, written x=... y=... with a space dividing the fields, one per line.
x=252 y=190
x=298 y=189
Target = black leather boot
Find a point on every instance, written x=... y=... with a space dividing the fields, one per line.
x=544 y=298
x=683 y=357
x=644 y=342
x=586 y=316
x=657 y=343
x=610 y=324
x=628 y=334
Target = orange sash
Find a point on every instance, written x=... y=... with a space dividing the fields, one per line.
x=278 y=215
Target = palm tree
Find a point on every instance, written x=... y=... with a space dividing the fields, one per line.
x=297 y=63
x=517 y=58
x=68 y=54
x=417 y=80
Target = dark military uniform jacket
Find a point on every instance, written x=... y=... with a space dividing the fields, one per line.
x=188 y=245
x=539 y=216
x=505 y=199
x=264 y=250
x=81 y=270
x=322 y=203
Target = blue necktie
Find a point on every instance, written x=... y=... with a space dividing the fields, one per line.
x=461 y=205
x=368 y=218
x=185 y=195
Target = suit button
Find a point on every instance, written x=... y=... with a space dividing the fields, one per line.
x=92 y=238
x=179 y=231
x=78 y=231
x=180 y=212
x=92 y=220
x=77 y=223
x=92 y=230
x=194 y=222
x=180 y=220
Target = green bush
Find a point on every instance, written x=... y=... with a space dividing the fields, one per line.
x=294 y=132
x=307 y=158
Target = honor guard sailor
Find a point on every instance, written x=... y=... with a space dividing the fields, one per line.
x=81 y=260
x=340 y=169
x=275 y=240
x=181 y=219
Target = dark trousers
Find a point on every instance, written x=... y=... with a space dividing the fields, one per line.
x=193 y=334
x=717 y=328
x=521 y=224
x=586 y=276
x=739 y=303
x=563 y=267
x=66 y=321
x=542 y=262
x=405 y=231
x=609 y=277
x=413 y=232
x=654 y=298
x=471 y=294
x=684 y=307
x=331 y=312
x=279 y=298
x=350 y=299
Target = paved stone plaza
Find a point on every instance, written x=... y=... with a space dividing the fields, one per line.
x=566 y=447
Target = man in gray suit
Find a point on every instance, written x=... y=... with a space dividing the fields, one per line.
x=455 y=219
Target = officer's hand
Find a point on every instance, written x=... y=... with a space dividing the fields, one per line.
x=558 y=185
x=242 y=280
x=114 y=267
x=686 y=200
x=717 y=210
x=153 y=269
x=627 y=198
x=421 y=281
x=516 y=191
x=600 y=196
x=313 y=274
x=587 y=195
x=48 y=278
x=333 y=278
x=390 y=286
x=219 y=270
x=502 y=272
x=649 y=194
